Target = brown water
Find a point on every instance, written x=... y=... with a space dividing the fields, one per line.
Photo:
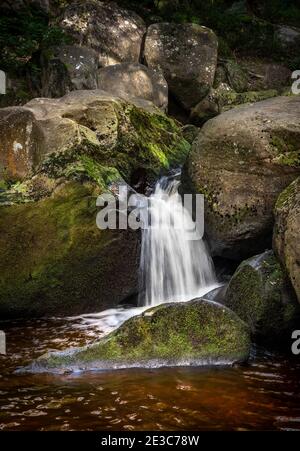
x=265 y=394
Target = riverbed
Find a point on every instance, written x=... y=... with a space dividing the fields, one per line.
x=264 y=394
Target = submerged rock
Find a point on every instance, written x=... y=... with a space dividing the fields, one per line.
x=197 y=332
x=260 y=293
x=286 y=232
x=187 y=56
x=241 y=160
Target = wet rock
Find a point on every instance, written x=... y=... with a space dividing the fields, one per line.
x=187 y=56
x=197 y=332
x=55 y=261
x=260 y=293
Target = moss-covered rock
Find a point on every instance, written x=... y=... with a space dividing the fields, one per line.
x=196 y=332
x=241 y=160
x=49 y=134
x=56 y=157
x=54 y=259
x=223 y=99
x=260 y=293
x=286 y=232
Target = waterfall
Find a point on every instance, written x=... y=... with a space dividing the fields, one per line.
x=173 y=267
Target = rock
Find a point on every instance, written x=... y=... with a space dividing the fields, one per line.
x=223 y=99
x=190 y=132
x=241 y=160
x=55 y=261
x=128 y=136
x=187 y=56
x=260 y=294
x=73 y=67
x=197 y=332
x=56 y=157
x=264 y=75
x=288 y=37
x=18 y=5
x=114 y=33
x=237 y=76
x=131 y=80
x=286 y=232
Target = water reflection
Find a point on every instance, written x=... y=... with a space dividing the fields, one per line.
x=261 y=395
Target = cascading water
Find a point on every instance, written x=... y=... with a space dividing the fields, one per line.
x=173 y=267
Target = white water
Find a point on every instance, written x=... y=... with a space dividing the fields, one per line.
x=173 y=268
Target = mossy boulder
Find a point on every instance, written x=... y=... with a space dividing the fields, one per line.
x=196 y=332
x=55 y=261
x=241 y=160
x=286 y=232
x=223 y=99
x=260 y=293
x=56 y=157
x=45 y=134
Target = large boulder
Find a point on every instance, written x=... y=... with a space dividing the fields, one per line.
x=132 y=80
x=114 y=33
x=286 y=232
x=72 y=67
x=187 y=56
x=55 y=261
x=197 y=332
x=56 y=157
x=241 y=160
x=128 y=136
x=260 y=293
x=223 y=99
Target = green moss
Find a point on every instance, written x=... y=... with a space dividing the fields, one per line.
x=53 y=256
x=287 y=151
x=169 y=333
x=258 y=293
x=287 y=195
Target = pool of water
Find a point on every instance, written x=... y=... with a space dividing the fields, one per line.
x=264 y=394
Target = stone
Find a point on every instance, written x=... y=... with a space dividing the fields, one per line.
x=133 y=80
x=116 y=34
x=198 y=332
x=260 y=294
x=241 y=160
x=286 y=232
x=187 y=56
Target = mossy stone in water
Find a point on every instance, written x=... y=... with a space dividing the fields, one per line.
x=183 y=333
x=259 y=292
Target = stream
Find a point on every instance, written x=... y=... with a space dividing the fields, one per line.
x=264 y=394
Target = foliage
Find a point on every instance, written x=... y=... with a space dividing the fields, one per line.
x=24 y=35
